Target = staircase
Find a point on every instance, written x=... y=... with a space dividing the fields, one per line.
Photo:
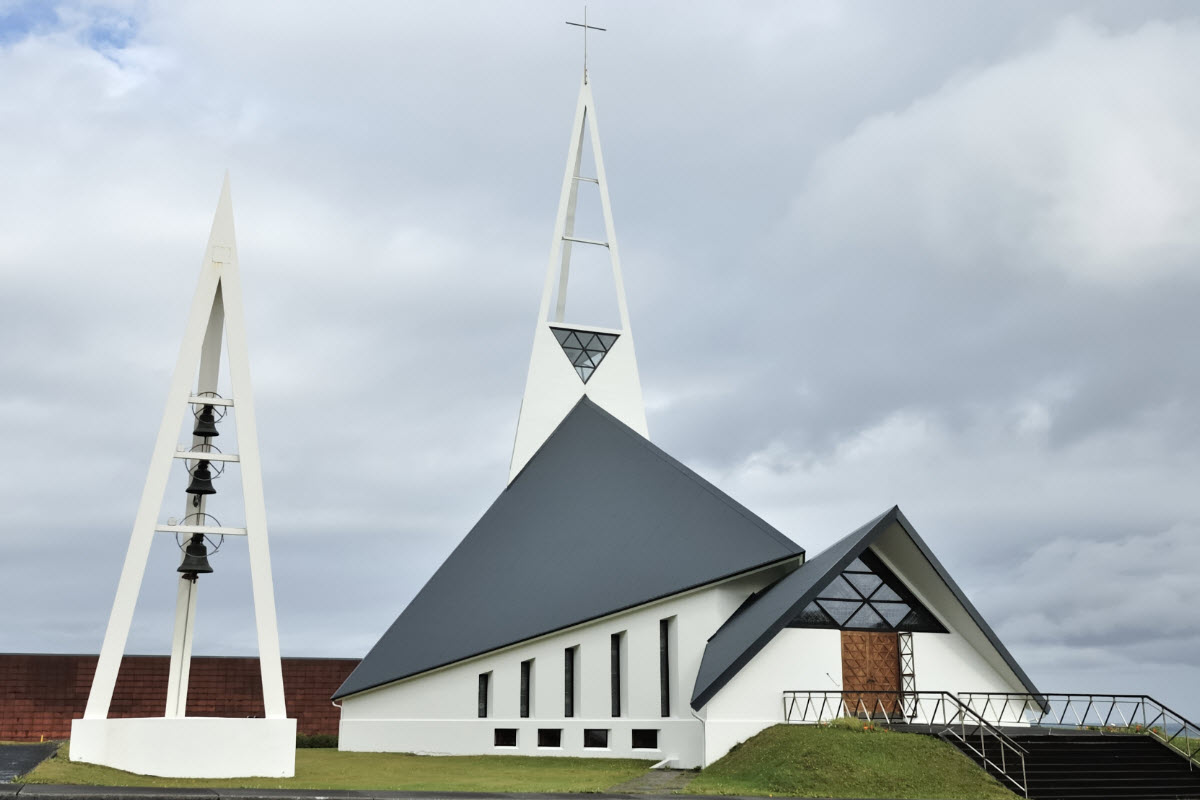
x=1083 y=766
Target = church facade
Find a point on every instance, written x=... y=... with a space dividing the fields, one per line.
x=613 y=603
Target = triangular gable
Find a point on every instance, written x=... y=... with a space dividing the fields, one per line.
x=867 y=596
x=758 y=621
x=599 y=520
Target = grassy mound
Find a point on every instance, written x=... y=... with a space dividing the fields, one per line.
x=331 y=769
x=844 y=760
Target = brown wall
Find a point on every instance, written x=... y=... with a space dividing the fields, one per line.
x=40 y=694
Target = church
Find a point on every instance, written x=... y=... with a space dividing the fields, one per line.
x=613 y=603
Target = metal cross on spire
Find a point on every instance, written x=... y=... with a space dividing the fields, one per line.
x=586 y=28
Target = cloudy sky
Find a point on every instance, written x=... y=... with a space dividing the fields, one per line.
x=940 y=255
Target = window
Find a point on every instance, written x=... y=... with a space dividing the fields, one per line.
x=664 y=666
x=584 y=349
x=570 y=657
x=485 y=682
x=549 y=737
x=615 y=661
x=645 y=739
x=867 y=596
x=526 y=681
x=595 y=738
x=504 y=737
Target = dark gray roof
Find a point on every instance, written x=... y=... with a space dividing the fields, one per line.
x=758 y=620
x=599 y=520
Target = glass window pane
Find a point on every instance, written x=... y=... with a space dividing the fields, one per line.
x=606 y=340
x=813 y=617
x=892 y=612
x=838 y=589
x=867 y=619
x=840 y=610
x=886 y=592
x=863 y=582
x=561 y=334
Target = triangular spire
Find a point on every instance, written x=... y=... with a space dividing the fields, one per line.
x=572 y=359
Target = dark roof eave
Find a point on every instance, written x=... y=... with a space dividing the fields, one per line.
x=765 y=565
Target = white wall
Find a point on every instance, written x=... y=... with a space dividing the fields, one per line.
x=437 y=712
x=797 y=658
x=188 y=747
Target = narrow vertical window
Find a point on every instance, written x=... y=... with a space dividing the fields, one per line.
x=569 y=681
x=485 y=681
x=664 y=666
x=615 y=642
x=526 y=679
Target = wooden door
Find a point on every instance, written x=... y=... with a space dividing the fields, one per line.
x=871 y=674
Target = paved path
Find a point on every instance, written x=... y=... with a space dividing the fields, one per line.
x=17 y=759
x=656 y=781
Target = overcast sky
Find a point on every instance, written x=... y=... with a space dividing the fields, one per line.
x=940 y=255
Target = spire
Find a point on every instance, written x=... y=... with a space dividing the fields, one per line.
x=570 y=357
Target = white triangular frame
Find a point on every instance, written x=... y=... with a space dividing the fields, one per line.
x=552 y=387
x=216 y=308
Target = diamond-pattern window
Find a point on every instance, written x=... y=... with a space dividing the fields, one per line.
x=584 y=349
x=867 y=596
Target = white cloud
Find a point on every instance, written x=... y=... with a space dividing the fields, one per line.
x=1081 y=156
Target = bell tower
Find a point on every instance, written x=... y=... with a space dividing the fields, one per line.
x=572 y=358
x=176 y=745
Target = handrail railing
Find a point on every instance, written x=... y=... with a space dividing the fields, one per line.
x=933 y=708
x=1105 y=713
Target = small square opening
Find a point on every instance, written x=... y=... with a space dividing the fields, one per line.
x=504 y=737
x=645 y=739
x=595 y=738
x=549 y=737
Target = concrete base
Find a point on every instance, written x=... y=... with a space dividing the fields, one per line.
x=188 y=747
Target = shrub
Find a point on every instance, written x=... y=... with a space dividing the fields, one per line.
x=316 y=740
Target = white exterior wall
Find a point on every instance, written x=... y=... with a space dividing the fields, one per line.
x=947 y=661
x=797 y=658
x=436 y=713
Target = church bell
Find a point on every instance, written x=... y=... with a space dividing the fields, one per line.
x=195 y=558
x=206 y=423
x=201 y=480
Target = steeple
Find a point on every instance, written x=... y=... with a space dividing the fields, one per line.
x=572 y=358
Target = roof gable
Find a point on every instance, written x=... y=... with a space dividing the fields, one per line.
x=762 y=617
x=599 y=520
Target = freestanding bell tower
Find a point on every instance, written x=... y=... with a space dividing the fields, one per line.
x=571 y=358
x=176 y=745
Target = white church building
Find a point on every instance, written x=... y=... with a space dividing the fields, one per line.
x=611 y=602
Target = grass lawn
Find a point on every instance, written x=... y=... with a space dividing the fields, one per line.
x=323 y=768
x=845 y=761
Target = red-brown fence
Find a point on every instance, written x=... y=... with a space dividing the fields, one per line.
x=41 y=693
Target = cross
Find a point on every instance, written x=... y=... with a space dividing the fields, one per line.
x=586 y=28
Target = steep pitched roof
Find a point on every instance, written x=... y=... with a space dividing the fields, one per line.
x=598 y=521
x=758 y=621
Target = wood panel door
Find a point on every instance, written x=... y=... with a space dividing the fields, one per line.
x=871 y=673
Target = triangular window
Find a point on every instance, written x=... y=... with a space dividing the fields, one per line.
x=584 y=349
x=867 y=597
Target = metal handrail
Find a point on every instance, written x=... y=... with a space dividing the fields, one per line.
x=933 y=708
x=1105 y=713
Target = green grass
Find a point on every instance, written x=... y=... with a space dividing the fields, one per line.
x=844 y=760
x=331 y=769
